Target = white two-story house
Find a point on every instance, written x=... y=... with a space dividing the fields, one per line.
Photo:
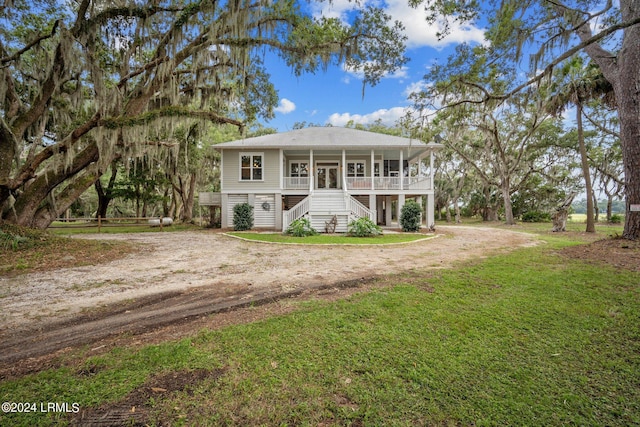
x=324 y=172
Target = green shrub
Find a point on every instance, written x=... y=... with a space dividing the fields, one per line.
x=301 y=227
x=243 y=217
x=363 y=227
x=410 y=216
x=14 y=238
x=615 y=219
x=536 y=216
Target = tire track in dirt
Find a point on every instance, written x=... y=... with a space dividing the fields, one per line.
x=182 y=276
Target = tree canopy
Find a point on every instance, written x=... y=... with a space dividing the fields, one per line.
x=96 y=81
x=543 y=35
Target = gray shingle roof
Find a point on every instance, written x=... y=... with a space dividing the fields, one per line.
x=327 y=137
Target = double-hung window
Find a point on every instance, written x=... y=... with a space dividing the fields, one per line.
x=355 y=169
x=251 y=166
x=299 y=169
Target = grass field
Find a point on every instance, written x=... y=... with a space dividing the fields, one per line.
x=526 y=338
x=582 y=218
x=332 y=239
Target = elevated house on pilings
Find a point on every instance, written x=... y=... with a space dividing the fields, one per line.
x=325 y=172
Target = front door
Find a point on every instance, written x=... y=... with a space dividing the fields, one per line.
x=327 y=175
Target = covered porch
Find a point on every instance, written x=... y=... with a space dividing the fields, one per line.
x=378 y=171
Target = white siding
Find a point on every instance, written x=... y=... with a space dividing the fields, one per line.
x=231 y=172
x=264 y=211
x=234 y=199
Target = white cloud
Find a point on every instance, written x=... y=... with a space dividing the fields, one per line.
x=388 y=117
x=333 y=9
x=359 y=74
x=416 y=87
x=418 y=31
x=421 y=34
x=285 y=106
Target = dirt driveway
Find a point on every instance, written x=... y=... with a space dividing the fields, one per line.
x=177 y=275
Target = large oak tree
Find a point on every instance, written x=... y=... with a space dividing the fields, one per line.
x=544 y=34
x=97 y=80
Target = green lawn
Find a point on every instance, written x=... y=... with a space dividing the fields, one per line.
x=526 y=338
x=332 y=239
x=63 y=228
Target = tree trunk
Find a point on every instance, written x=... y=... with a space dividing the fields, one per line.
x=456 y=206
x=187 y=214
x=105 y=195
x=7 y=154
x=508 y=207
x=38 y=190
x=629 y=114
x=622 y=70
x=609 y=207
x=591 y=225
x=560 y=215
x=49 y=211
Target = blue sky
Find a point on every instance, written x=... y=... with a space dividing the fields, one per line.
x=335 y=96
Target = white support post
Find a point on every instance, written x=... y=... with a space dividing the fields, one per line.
x=387 y=212
x=282 y=168
x=343 y=169
x=380 y=209
x=430 y=211
x=371 y=169
x=372 y=206
x=431 y=169
x=401 y=172
x=312 y=171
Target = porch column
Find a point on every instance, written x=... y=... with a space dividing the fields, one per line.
x=387 y=208
x=312 y=171
x=401 y=173
x=343 y=170
x=372 y=167
x=430 y=211
x=282 y=168
x=278 y=210
x=380 y=209
x=399 y=206
x=431 y=170
x=224 y=211
x=372 y=206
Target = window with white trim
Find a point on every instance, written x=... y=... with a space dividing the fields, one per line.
x=251 y=166
x=355 y=169
x=298 y=169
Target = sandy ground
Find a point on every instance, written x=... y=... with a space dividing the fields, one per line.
x=179 y=261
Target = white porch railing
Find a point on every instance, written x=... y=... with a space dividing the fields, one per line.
x=389 y=183
x=417 y=183
x=364 y=183
x=359 y=183
x=298 y=211
x=358 y=209
x=296 y=183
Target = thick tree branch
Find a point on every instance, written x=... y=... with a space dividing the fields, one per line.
x=31 y=44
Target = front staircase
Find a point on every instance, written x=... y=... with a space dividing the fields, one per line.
x=321 y=206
